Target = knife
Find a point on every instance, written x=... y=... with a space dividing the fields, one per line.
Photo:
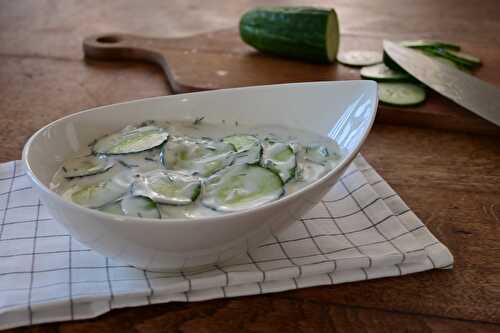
x=466 y=90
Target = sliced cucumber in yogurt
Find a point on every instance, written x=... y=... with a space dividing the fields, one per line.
x=279 y=157
x=167 y=187
x=112 y=208
x=317 y=154
x=139 y=207
x=241 y=187
x=198 y=156
x=247 y=147
x=131 y=140
x=95 y=195
x=86 y=166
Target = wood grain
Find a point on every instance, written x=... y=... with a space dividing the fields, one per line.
x=262 y=314
x=451 y=180
x=220 y=59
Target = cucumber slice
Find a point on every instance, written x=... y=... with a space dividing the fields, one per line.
x=198 y=156
x=317 y=153
x=387 y=60
x=112 y=208
x=139 y=207
x=425 y=44
x=465 y=57
x=306 y=33
x=447 y=61
x=359 y=58
x=167 y=187
x=241 y=187
x=429 y=52
x=401 y=94
x=131 y=140
x=459 y=58
x=95 y=195
x=382 y=73
x=279 y=157
x=86 y=166
x=247 y=147
x=241 y=142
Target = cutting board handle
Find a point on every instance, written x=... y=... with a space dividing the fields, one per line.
x=118 y=46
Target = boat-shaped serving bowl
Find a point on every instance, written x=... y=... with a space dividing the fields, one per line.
x=343 y=111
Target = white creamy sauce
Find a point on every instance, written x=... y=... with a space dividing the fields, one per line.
x=203 y=169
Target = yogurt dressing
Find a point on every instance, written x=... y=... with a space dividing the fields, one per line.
x=312 y=154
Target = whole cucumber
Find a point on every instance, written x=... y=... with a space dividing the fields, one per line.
x=306 y=33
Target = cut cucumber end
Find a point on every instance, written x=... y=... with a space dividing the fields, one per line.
x=306 y=33
x=332 y=36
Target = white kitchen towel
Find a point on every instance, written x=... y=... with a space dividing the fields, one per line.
x=360 y=230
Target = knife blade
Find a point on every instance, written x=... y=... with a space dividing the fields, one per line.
x=466 y=90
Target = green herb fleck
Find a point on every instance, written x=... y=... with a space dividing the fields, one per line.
x=198 y=120
x=127 y=165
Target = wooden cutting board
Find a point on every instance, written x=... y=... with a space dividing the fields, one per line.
x=221 y=60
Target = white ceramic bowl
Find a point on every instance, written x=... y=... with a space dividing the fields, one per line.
x=343 y=111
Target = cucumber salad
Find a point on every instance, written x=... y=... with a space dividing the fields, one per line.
x=186 y=170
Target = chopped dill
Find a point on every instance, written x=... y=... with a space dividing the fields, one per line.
x=92 y=143
x=198 y=120
x=126 y=165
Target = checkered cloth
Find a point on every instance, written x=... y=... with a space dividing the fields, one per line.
x=360 y=230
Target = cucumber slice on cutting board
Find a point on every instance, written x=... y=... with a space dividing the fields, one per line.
x=306 y=33
x=381 y=73
x=387 y=60
x=401 y=94
x=457 y=59
x=359 y=58
x=429 y=43
x=473 y=60
x=242 y=187
x=461 y=59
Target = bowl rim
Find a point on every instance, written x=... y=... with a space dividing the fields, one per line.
x=346 y=159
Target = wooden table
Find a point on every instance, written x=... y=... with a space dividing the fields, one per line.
x=451 y=180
